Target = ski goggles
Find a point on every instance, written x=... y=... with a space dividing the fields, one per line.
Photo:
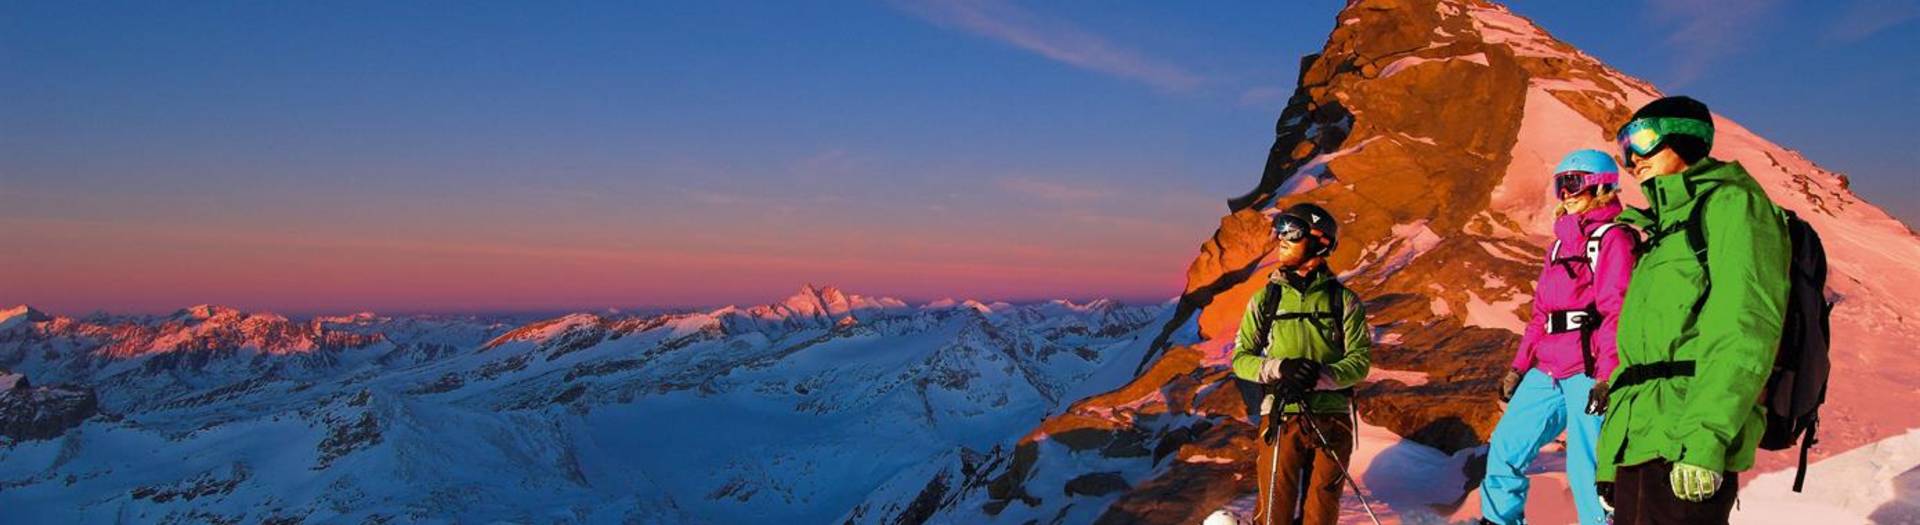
x=1568 y=183
x=1643 y=137
x=1290 y=228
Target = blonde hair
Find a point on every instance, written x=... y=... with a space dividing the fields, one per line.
x=1600 y=198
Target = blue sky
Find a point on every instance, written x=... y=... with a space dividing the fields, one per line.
x=474 y=155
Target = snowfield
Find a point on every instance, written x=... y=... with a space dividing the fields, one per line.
x=796 y=411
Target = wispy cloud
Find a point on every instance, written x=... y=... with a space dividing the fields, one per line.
x=1057 y=40
x=1155 y=225
x=1052 y=191
x=1864 y=18
x=1263 y=97
x=1705 y=31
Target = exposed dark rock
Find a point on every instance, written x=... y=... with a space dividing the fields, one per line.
x=346 y=438
x=1096 y=484
x=32 y=413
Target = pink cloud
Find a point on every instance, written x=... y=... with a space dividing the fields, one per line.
x=1057 y=40
x=1705 y=31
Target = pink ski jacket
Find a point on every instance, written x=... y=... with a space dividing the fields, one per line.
x=1576 y=303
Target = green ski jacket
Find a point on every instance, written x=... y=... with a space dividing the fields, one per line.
x=1721 y=320
x=1307 y=336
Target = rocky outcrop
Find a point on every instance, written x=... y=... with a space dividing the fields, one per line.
x=206 y=484
x=30 y=413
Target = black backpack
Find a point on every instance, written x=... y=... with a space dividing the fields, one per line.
x=1798 y=384
x=1251 y=393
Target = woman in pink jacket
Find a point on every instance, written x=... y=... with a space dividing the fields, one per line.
x=1558 y=379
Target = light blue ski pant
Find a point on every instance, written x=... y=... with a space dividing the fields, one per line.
x=1541 y=408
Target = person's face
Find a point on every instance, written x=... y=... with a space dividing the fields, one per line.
x=1578 y=202
x=1290 y=253
x=1663 y=162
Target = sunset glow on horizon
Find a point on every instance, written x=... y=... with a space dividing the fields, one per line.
x=317 y=159
x=160 y=267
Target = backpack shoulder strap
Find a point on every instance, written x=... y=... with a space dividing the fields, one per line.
x=1339 y=304
x=1696 y=225
x=1690 y=226
x=1253 y=394
x=1264 y=318
x=1593 y=244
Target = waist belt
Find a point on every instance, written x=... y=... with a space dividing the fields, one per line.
x=1571 y=321
x=1636 y=374
x=1268 y=401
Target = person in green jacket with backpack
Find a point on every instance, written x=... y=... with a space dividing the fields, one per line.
x=1305 y=341
x=1699 y=328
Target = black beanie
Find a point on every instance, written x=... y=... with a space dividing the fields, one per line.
x=1688 y=147
x=1676 y=107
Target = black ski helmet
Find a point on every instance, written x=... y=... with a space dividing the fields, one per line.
x=1319 y=219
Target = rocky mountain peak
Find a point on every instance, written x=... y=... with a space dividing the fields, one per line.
x=818 y=301
x=21 y=315
x=821 y=305
x=1429 y=129
x=202 y=312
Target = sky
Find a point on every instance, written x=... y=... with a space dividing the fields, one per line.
x=476 y=156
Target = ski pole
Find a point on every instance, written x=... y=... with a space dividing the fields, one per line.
x=1322 y=438
x=1273 y=462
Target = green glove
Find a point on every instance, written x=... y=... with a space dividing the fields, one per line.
x=1693 y=483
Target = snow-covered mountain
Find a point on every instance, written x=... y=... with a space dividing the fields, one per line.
x=1429 y=127
x=791 y=411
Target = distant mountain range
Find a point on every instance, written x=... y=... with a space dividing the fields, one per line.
x=792 y=410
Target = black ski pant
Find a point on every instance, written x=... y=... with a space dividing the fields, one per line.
x=1643 y=495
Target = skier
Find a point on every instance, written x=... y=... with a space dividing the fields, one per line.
x=1304 y=337
x=1569 y=342
x=1700 y=326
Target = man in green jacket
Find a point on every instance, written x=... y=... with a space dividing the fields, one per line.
x=1699 y=328
x=1315 y=347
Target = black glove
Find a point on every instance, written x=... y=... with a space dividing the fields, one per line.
x=1508 y=384
x=1297 y=376
x=1597 y=398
